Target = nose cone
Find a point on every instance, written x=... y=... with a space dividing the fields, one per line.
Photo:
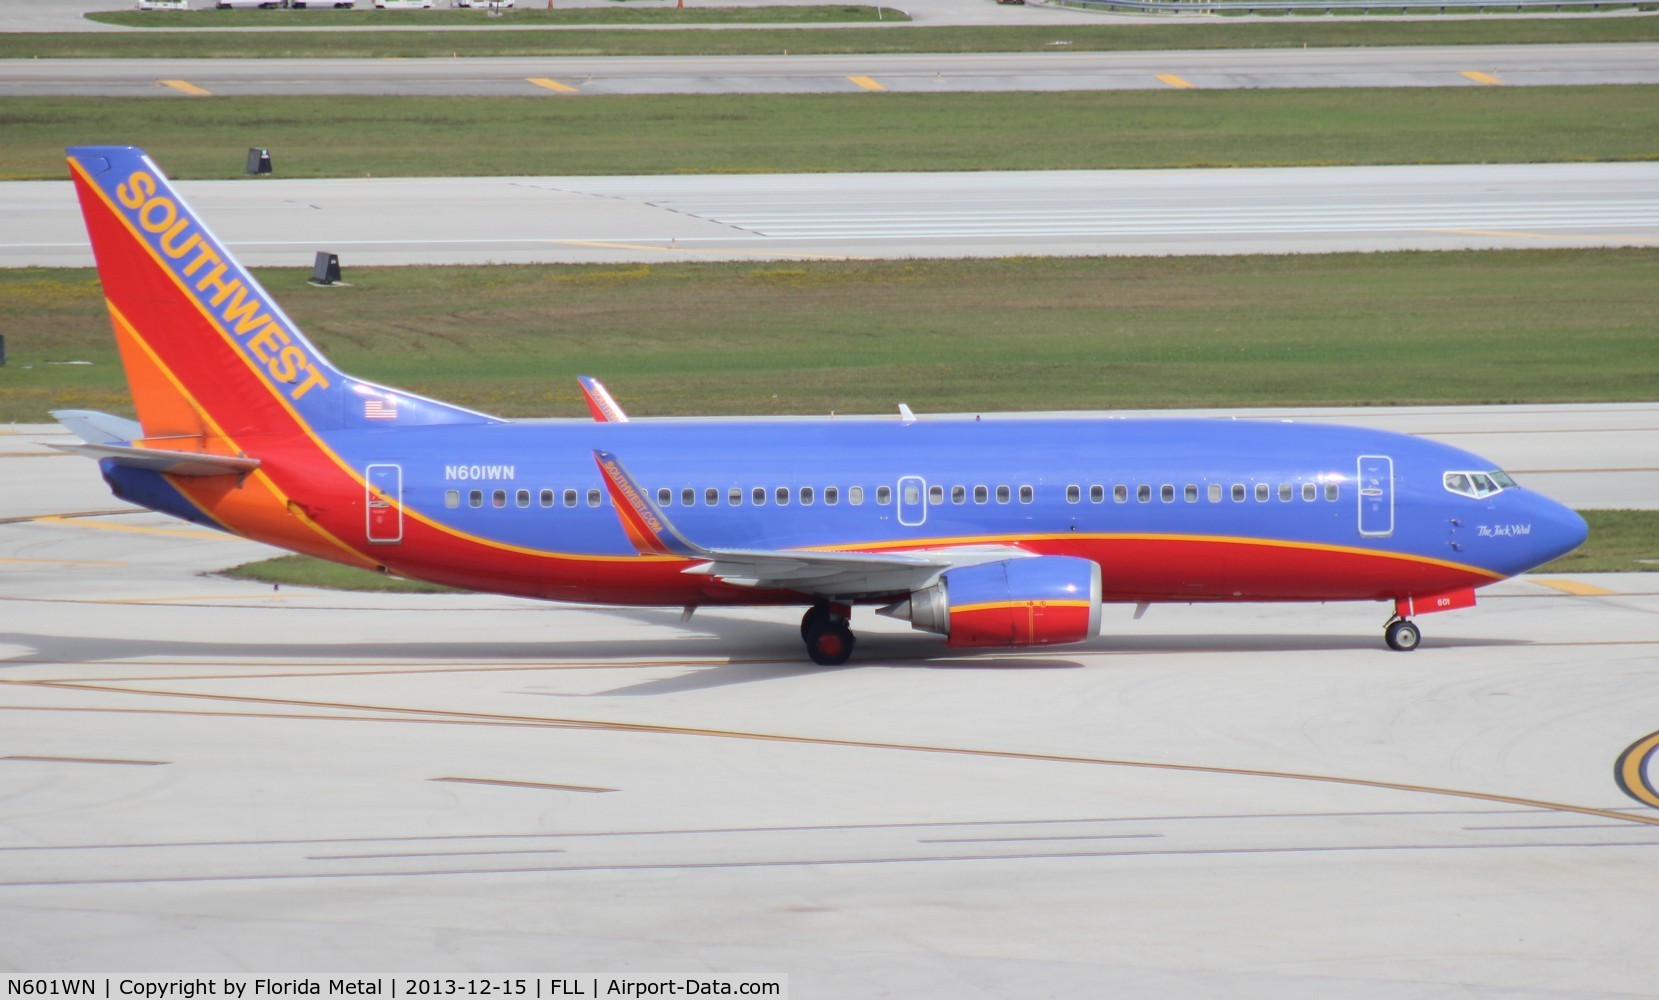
x=1557 y=530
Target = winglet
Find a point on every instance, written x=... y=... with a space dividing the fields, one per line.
x=600 y=404
x=642 y=521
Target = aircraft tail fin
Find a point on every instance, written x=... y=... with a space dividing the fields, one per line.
x=208 y=353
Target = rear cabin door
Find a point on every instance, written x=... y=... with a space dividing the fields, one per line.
x=384 y=503
x=1376 y=496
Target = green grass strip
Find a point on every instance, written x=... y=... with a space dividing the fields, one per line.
x=941 y=335
x=575 y=134
x=307 y=571
x=1276 y=33
x=662 y=12
x=1621 y=541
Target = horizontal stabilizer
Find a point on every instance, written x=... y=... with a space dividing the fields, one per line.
x=177 y=463
x=99 y=428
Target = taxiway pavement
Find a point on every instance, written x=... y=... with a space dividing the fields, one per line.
x=568 y=77
x=892 y=215
x=201 y=775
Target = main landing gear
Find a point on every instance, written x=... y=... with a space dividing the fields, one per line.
x=829 y=640
x=1402 y=635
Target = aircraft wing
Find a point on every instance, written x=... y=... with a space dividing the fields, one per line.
x=841 y=575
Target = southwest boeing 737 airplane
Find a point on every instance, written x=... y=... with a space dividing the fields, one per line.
x=988 y=532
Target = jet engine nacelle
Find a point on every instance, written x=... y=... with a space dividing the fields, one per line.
x=1020 y=602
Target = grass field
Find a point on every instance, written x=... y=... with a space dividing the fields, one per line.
x=1276 y=33
x=1621 y=541
x=660 y=13
x=571 y=134
x=1024 y=333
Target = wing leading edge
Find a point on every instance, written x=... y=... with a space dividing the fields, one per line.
x=827 y=575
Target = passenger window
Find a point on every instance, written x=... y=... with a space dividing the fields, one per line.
x=758 y=495
x=1263 y=492
x=1310 y=492
x=570 y=498
x=1025 y=494
x=832 y=495
x=1190 y=493
x=1166 y=493
x=665 y=496
x=1238 y=492
x=1120 y=493
x=498 y=498
x=806 y=496
x=1285 y=493
x=1332 y=491
x=1143 y=493
x=1097 y=494
x=1073 y=494
x=452 y=499
x=884 y=495
x=475 y=498
x=958 y=494
x=855 y=496
x=981 y=494
x=1002 y=494
x=523 y=498
x=734 y=496
x=1215 y=493
x=935 y=495
x=711 y=496
x=593 y=498
x=781 y=495
x=688 y=497
x=547 y=498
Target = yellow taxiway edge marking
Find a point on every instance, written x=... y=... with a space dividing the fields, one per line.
x=1180 y=83
x=866 y=83
x=1479 y=77
x=1575 y=588
x=609 y=245
x=171 y=532
x=186 y=87
x=544 y=82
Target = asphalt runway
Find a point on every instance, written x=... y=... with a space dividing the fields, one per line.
x=1257 y=801
x=1396 y=66
x=803 y=216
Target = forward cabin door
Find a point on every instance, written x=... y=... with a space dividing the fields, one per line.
x=384 y=503
x=1376 y=496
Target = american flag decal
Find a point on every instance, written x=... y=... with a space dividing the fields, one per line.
x=380 y=409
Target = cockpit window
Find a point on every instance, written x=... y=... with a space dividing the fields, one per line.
x=1477 y=484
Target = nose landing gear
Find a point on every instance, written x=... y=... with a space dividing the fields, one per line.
x=829 y=639
x=1402 y=635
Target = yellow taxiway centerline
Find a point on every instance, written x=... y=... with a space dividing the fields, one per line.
x=186 y=87
x=1574 y=587
x=867 y=83
x=1178 y=82
x=1479 y=77
x=550 y=84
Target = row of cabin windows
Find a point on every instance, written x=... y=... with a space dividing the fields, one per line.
x=734 y=496
x=806 y=496
x=1189 y=493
